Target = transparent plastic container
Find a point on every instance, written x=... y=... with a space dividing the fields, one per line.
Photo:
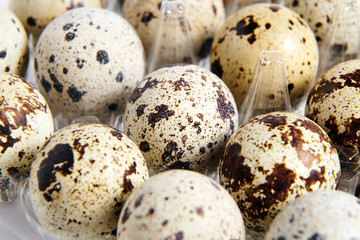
x=268 y=90
x=25 y=200
x=350 y=170
x=233 y=5
x=10 y=187
x=175 y=46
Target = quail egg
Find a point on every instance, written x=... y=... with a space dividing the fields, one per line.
x=13 y=44
x=274 y=158
x=36 y=14
x=81 y=177
x=25 y=124
x=180 y=204
x=333 y=103
x=263 y=26
x=203 y=25
x=87 y=62
x=329 y=215
x=181 y=116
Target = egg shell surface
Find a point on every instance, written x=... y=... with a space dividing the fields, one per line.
x=36 y=14
x=87 y=62
x=329 y=215
x=274 y=158
x=181 y=116
x=263 y=26
x=180 y=204
x=26 y=123
x=13 y=44
x=333 y=103
x=81 y=178
x=203 y=25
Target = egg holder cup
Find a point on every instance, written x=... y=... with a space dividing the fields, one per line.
x=10 y=187
x=25 y=201
x=350 y=170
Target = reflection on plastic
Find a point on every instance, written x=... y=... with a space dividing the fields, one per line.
x=268 y=90
x=9 y=187
x=350 y=170
x=172 y=43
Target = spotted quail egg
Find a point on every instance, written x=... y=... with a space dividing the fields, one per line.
x=81 y=177
x=329 y=215
x=333 y=103
x=87 y=62
x=317 y=13
x=13 y=44
x=264 y=26
x=274 y=158
x=203 y=25
x=36 y=14
x=25 y=124
x=181 y=117
x=180 y=204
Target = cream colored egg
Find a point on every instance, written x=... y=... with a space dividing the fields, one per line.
x=13 y=44
x=333 y=103
x=26 y=123
x=181 y=117
x=81 y=178
x=144 y=16
x=87 y=62
x=36 y=14
x=180 y=204
x=330 y=215
x=237 y=46
x=274 y=158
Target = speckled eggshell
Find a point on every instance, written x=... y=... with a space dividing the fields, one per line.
x=203 y=25
x=274 y=158
x=317 y=13
x=181 y=117
x=87 y=61
x=81 y=178
x=333 y=103
x=26 y=123
x=13 y=44
x=329 y=215
x=263 y=26
x=36 y=14
x=180 y=204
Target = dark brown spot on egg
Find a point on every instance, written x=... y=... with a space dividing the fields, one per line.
x=59 y=160
x=144 y=146
x=301 y=21
x=140 y=110
x=36 y=65
x=80 y=148
x=31 y=21
x=7 y=69
x=205 y=48
x=126 y=215
x=246 y=26
x=13 y=171
x=102 y=57
x=57 y=85
x=52 y=58
x=119 y=77
x=136 y=94
x=70 y=36
x=112 y=106
x=45 y=84
x=80 y=63
x=162 y=112
x=216 y=68
x=117 y=134
x=295 y=3
x=221 y=40
x=3 y=54
x=146 y=17
x=127 y=184
x=273 y=121
x=179 y=165
x=267 y=25
x=75 y=94
x=314 y=178
x=224 y=106
x=234 y=169
x=200 y=211
x=65 y=70
x=181 y=84
x=139 y=200
x=68 y=26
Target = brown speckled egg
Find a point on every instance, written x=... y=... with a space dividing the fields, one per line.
x=181 y=117
x=81 y=177
x=13 y=44
x=36 y=14
x=203 y=25
x=317 y=13
x=237 y=46
x=87 y=62
x=329 y=215
x=274 y=158
x=180 y=204
x=25 y=124
x=333 y=103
